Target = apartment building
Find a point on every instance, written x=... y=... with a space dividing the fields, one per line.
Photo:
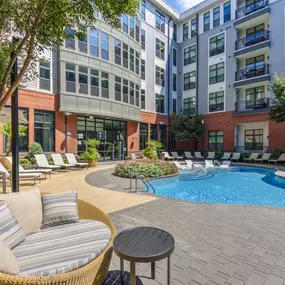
x=120 y=85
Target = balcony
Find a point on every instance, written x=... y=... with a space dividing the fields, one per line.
x=259 y=105
x=252 y=75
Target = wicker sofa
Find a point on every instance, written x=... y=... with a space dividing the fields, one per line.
x=94 y=272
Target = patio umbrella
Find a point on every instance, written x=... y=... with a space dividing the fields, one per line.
x=6 y=116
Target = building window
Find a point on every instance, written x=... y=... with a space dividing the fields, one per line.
x=216 y=17
x=118 y=88
x=255 y=97
x=189 y=106
x=132 y=26
x=185 y=31
x=174 y=53
x=143 y=9
x=190 y=55
x=118 y=48
x=137 y=95
x=216 y=101
x=137 y=63
x=217 y=44
x=143 y=39
x=70 y=41
x=160 y=21
x=189 y=80
x=174 y=82
x=216 y=140
x=162 y=136
x=94 y=82
x=82 y=40
x=132 y=59
x=70 y=77
x=105 y=84
x=132 y=93
x=159 y=102
x=138 y=30
x=255 y=64
x=44 y=129
x=83 y=80
x=104 y=46
x=45 y=75
x=159 y=76
x=160 y=48
x=193 y=27
x=125 y=56
x=174 y=110
x=126 y=24
x=143 y=135
x=143 y=69
x=125 y=91
x=153 y=132
x=174 y=32
x=253 y=139
x=217 y=73
x=227 y=12
x=206 y=21
x=143 y=99
x=94 y=42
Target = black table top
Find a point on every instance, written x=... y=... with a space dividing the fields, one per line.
x=144 y=244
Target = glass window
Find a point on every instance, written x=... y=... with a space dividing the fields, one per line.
x=132 y=26
x=143 y=135
x=174 y=32
x=190 y=55
x=206 y=21
x=193 y=27
x=216 y=17
x=44 y=129
x=45 y=75
x=160 y=21
x=217 y=73
x=132 y=59
x=216 y=140
x=162 y=136
x=94 y=42
x=143 y=9
x=160 y=49
x=137 y=95
x=83 y=80
x=174 y=106
x=189 y=80
x=94 y=79
x=104 y=46
x=143 y=39
x=216 y=101
x=189 y=106
x=138 y=28
x=70 y=77
x=132 y=93
x=125 y=91
x=185 y=31
x=118 y=48
x=143 y=69
x=118 y=88
x=174 y=82
x=153 y=132
x=125 y=56
x=227 y=12
x=253 y=139
x=159 y=76
x=137 y=63
x=255 y=63
x=70 y=41
x=255 y=97
x=174 y=52
x=159 y=102
x=142 y=99
x=105 y=85
x=217 y=44
x=126 y=24
x=82 y=39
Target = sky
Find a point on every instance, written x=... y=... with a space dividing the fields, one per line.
x=182 y=5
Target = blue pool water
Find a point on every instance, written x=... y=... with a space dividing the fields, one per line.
x=236 y=185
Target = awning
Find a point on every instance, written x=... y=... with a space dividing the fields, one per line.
x=6 y=116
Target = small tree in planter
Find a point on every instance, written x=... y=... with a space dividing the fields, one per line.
x=34 y=148
x=91 y=154
x=151 y=151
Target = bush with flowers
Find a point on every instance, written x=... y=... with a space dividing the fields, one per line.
x=146 y=167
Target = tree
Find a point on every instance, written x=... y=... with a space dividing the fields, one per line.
x=42 y=24
x=277 y=113
x=6 y=129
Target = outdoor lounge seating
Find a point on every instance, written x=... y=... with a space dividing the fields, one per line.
x=42 y=162
x=198 y=155
x=226 y=164
x=281 y=158
x=209 y=164
x=265 y=157
x=179 y=166
x=235 y=157
x=58 y=161
x=191 y=164
x=211 y=155
x=167 y=156
x=226 y=156
x=252 y=157
x=176 y=156
x=188 y=155
x=72 y=160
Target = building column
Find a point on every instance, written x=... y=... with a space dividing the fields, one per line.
x=31 y=126
x=132 y=136
x=148 y=133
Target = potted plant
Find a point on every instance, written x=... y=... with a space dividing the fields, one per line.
x=91 y=154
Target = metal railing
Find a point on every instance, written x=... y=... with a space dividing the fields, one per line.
x=251 y=72
x=256 y=147
x=144 y=181
x=258 y=103
x=252 y=39
x=251 y=8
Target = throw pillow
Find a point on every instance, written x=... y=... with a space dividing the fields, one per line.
x=11 y=232
x=27 y=208
x=8 y=262
x=60 y=209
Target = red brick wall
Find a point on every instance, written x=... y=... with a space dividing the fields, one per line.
x=276 y=135
x=133 y=136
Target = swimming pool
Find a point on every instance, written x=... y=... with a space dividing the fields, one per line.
x=235 y=185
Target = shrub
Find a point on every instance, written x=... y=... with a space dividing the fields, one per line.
x=219 y=154
x=35 y=148
x=244 y=155
x=145 y=167
x=276 y=152
x=151 y=151
x=90 y=154
x=25 y=162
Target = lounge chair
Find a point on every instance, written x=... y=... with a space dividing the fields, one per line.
x=236 y=156
x=58 y=161
x=179 y=166
x=190 y=163
x=209 y=164
x=281 y=158
x=211 y=155
x=252 y=157
x=188 y=155
x=198 y=155
x=134 y=156
x=167 y=156
x=265 y=157
x=42 y=162
x=72 y=160
x=226 y=156
x=176 y=156
x=226 y=164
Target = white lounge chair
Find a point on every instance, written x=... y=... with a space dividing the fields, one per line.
x=176 y=156
x=236 y=156
x=188 y=155
x=265 y=157
x=281 y=158
x=42 y=162
x=133 y=156
x=167 y=156
x=209 y=164
x=72 y=160
x=252 y=157
x=211 y=155
x=226 y=156
x=198 y=155
x=57 y=159
x=179 y=166
x=226 y=164
x=191 y=164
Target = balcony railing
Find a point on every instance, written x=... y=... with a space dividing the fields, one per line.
x=251 y=8
x=259 y=103
x=252 y=39
x=252 y=72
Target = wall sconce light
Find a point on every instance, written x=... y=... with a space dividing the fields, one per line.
x=161 y=123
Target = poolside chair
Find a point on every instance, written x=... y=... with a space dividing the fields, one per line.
x=226 y=164
x=42 y=162
x=176 y=156
x=209 y=164
x=72 y=160
x=198 y=155
x=252 y=157
x=265 y=157
x=191 y=164
x=57 y=159
x=188 y=155
x=211 y=155
x=226 y=156
x=236 y=156
x=281 y=158
x=179 y=166
x=167 y=156
x=134 y=156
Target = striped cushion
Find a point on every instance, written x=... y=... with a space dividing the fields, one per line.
x=11 y=232
x=59 y=209
x=62 y=249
